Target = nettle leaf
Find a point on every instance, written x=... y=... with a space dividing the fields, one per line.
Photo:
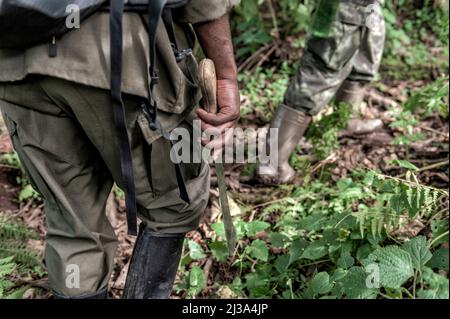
x=420 y=254
x=297 y=249
x=355 y=286
x=195 y=250
x=219 y=250
x=255 y=227
x=259 y=250
x=395 y=265
x=278 y=240
x=282 y=263
x=345 y=260
x=219 y=229
x=315 y=251
x=313 y=222
x=240 y=227
x=257 y=283
x=320 y=283
x=439 y=259
x=338 y=275
x=197 y=280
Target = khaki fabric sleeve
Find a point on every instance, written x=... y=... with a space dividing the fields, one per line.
x=197 y=11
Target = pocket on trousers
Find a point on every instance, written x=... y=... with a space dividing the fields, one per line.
x=159 y=164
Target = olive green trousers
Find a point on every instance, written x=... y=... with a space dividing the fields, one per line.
x=64 y=135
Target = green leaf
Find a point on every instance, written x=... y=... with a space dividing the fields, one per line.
x=369 y=178
x=197 y=280
x=255 y=227
x=338 y=275
x=27 y=193
x=437 y=286
x=405 y=164
x=257 y=284
x=277 y=240
x=219 y=229
x=354 y=285
x=219 y=250
x=420 y=254
x=438 y=227
x=297 y=249
x=439 y=259
x=363 y=252
x=195 y=250
x=395 y=265
x=259 y=250
x=315 y=251
x=321 y=283
x=282 y=263
x=345 y=260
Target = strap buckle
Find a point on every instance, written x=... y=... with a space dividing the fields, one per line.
x=182 y=54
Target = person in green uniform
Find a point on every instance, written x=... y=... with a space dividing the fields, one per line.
x=340 y=62
x=59 y=115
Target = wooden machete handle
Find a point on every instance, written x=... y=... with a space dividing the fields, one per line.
x=208 y=84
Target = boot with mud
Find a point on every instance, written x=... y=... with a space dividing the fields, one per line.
x=353 y=92
x=291 y=125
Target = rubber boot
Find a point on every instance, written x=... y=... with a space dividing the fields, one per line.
x=353 y=92
x=291 y=125
x=102 y=294
x=153 y=266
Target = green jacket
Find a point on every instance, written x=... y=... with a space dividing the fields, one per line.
x=84 y=56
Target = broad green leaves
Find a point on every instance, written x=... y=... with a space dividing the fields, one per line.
x=315 y=250
x=354 y=285
x=255 y=227
x=195 y=250
x=437 y=286
x=320 y=283
x=197 y=281
x=395 y=265
x=258 y=249
x=419 y=252
x=439 y=259
x=219 y=250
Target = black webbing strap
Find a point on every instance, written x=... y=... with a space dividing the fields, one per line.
x=155 y=12
x=116 y=14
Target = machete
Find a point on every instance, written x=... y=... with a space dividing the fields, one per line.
x=208 y=85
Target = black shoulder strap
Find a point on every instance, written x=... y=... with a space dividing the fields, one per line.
x=116 y=14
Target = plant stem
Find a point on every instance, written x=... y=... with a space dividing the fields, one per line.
x=414 y=284
x=437 y=238
x=274 y=19
x=315 y=263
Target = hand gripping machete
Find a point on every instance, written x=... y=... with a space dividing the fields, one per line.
x=208 y=85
